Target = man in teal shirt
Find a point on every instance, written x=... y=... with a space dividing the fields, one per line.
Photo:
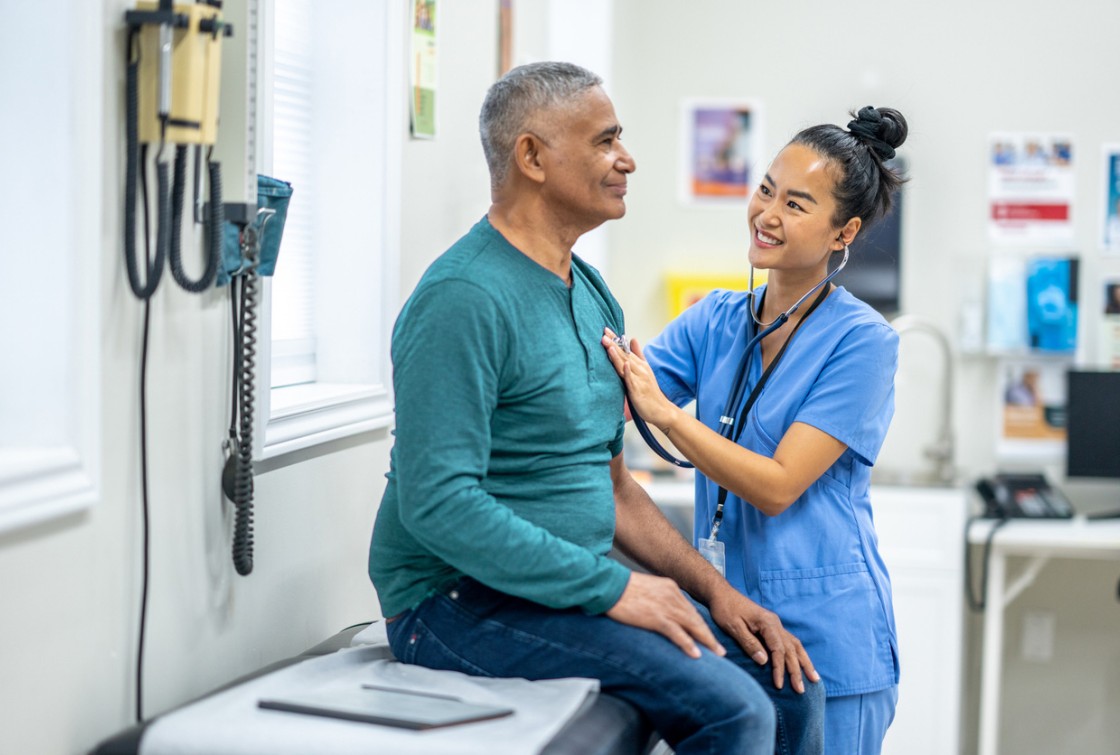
x=507 y=487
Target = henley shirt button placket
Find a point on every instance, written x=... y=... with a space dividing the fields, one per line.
x=454 y=595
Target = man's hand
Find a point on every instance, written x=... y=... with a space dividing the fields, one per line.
x=657 y=604
x=746 y=621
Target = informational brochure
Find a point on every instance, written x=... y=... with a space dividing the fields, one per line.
x=1031 y=189
x=1032 y=401
x=1033 y=304
x=1110 y=215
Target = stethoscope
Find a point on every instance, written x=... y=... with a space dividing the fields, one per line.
x=727 y=420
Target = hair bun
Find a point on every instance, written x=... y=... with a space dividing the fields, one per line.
x=881 y=129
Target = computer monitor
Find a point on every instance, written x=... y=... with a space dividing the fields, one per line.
x=1093 y=424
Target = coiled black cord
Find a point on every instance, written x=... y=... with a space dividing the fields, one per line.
x=214 y=251
x=247 y=364
x=153 y=267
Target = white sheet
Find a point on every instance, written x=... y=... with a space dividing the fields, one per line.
x=230 y=722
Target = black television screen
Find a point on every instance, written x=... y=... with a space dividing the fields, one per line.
x=1093 y=424
x=874 y=272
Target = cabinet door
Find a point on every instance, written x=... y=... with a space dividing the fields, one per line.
x=929 y=612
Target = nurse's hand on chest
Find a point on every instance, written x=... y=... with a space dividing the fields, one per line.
x=642 y=390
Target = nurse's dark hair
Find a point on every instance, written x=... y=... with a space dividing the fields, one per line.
x=513 y=102
x=864 y=183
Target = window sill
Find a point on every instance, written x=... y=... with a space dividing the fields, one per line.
x=303 y=416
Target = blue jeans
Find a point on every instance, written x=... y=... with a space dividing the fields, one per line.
x=708 y=705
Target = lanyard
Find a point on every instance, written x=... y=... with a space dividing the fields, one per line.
x=731 y=427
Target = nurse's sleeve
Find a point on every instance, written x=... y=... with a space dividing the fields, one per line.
x=852 y=398
x=675 y=353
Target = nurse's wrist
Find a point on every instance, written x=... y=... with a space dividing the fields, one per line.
x=669 y=421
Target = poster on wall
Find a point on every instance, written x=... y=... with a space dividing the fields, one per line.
x=422 y=70
x=1110 y=230
x=505 y=37
x=1032 y=416
x=720 y=151
x=1030 y=188
x=683 y=289
x=1109 y=342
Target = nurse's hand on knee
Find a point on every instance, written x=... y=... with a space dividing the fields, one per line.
x=657 y=604
x=747 y=621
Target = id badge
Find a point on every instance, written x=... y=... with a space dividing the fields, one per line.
x=713 y=553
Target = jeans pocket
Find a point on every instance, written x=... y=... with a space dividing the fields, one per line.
x=425 y=645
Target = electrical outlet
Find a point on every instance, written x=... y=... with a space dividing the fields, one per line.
x=1038 y=636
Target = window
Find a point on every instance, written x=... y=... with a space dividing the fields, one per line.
x=49 y=388
x=330 y=119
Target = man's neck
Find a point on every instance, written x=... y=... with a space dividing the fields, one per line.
x=535 y=235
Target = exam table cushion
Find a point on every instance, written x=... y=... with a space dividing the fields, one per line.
x=602 y=725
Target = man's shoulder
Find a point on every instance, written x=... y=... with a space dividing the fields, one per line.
x=470 y=258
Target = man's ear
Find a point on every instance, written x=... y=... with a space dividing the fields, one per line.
x=527 y=157
x=847 y=234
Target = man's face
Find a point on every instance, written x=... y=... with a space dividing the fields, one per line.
x=585 y=164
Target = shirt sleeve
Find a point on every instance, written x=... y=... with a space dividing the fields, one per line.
x=674 y=354
x=449 y=352
x=852 y=398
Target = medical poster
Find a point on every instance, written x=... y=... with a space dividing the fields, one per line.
x=422 y=70
x=1110 y=230
x=1109 y=336
x=1030 y=189
x=1032 y=401
x=720 y=151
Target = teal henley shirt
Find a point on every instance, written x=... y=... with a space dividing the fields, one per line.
x=508 y=414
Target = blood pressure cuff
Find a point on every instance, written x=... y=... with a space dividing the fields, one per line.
x=272 y=194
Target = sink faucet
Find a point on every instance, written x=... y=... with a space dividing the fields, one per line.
x=941 y=451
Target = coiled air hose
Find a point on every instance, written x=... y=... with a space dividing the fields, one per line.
x=240 y=481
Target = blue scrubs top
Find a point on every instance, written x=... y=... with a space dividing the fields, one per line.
x=817 y=564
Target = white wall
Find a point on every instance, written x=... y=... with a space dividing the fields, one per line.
x=957 y=70
x=69 y=590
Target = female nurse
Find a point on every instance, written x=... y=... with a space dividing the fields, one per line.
x=787 y=427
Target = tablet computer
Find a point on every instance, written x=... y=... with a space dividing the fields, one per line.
x=386 y=706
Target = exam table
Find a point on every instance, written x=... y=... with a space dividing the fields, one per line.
x=604 y=725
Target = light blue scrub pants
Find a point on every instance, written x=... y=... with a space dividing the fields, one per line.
x=856 y=724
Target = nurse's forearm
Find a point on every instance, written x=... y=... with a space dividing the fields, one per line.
x=769 y=484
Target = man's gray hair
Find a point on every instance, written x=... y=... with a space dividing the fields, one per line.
x=516 y=98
